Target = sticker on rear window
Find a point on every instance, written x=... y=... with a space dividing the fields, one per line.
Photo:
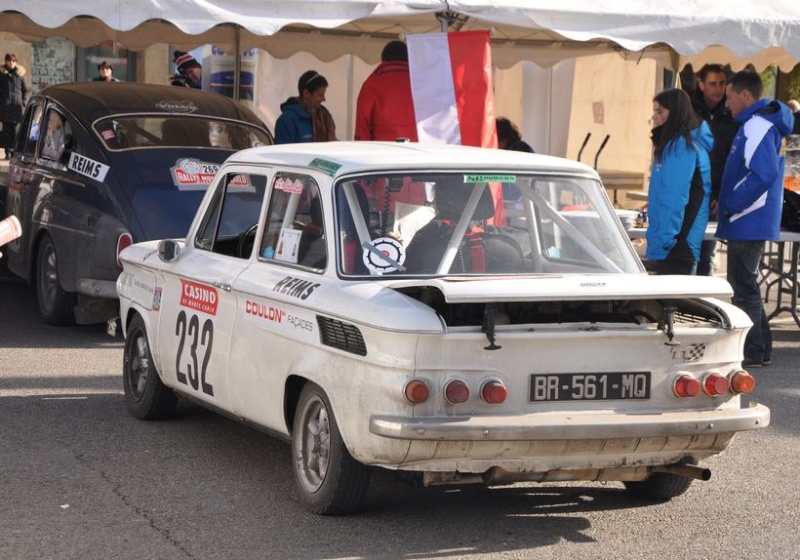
x=87 y=167
x=490 y=178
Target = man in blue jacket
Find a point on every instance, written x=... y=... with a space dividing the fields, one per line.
x=750 y=200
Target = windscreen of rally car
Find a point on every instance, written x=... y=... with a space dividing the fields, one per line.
x=453 y=224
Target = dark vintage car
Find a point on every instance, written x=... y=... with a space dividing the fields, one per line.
x=97 y=167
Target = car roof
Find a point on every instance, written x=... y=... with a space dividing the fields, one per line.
x=341 y=158
x=90 y=101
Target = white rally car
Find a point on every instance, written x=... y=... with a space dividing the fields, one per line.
x=463 y=315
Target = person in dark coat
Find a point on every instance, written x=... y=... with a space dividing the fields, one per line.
x=708 y=101
x=106 y=72
x=13 y=96
x=190 y=72
x=304 y=118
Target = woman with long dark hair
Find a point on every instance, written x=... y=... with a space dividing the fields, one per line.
x=680 y=184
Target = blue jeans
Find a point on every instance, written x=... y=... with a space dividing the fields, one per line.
x=705 y=266
x=744 y=258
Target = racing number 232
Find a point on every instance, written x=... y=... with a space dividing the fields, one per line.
x=204 y=337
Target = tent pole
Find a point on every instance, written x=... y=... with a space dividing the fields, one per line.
x=237 y=60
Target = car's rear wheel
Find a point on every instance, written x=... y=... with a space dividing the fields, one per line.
x=329 y=480
x=146 y=396
x=660 y=487
x=56 y=305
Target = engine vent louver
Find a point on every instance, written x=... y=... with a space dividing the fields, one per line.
x=341 y=335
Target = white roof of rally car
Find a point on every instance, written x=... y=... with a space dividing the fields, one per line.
x=339 y=158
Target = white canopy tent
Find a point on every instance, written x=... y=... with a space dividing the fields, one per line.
x=544 y=31
x=553 y=34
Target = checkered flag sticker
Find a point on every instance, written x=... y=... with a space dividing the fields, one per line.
x=690 y=353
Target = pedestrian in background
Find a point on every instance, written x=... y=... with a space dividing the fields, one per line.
x=106 y=73
x=708 y=101
x=385 y=108
x=190 y=72
x=680 y=184
x=304 y=118
x=750 y=200
x=794 y=106
x=509 y=138
x=13 y=96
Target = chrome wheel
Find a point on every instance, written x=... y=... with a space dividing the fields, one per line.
x=329 y=480
x=313 y=453
x=139 y=365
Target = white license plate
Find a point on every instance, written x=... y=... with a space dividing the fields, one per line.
x=590 y=386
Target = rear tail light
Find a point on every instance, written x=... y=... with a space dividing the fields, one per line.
x=686 y=386
x=714 y=384
x=742 y=382
x=125 y=240
x=456 y=391
x=416 y=391
x=494 y=392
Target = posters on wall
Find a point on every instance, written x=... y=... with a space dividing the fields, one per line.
x=53 y=63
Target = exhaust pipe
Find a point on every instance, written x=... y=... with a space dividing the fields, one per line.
x=688 y=471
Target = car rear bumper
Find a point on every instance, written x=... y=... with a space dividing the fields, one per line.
x=93 y=287
x=572 y=426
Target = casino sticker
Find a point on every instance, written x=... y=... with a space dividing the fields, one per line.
x=383 y=255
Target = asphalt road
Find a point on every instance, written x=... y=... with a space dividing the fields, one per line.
x=81 y=479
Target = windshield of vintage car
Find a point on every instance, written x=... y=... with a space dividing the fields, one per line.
x=464 y=224
x=171 y=131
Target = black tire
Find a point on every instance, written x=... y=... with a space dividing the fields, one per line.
x=660 y=487
x=146 y=397
x=56 y=306
x=329 y=480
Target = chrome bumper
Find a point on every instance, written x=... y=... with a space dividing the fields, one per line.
x=97 y=288
x=571 y=426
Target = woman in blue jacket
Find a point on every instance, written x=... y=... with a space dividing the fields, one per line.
x=680 y=184
x=304 y=118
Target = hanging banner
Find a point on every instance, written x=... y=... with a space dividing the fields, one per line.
x=451 y=83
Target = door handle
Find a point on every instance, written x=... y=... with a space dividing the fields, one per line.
x=224 y=286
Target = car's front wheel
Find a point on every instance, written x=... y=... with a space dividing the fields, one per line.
x=329 y=480
x=146 y=396
x=56 y=305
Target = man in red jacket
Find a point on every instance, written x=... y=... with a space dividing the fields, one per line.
x=385 y=109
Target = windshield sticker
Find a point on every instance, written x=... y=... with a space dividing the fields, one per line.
x=490 y=178
x=177 y=106
x=88 y=167
x=199 y=297
x=289 y=186
x=295 y=287
x=328 y=167
x=383 y=255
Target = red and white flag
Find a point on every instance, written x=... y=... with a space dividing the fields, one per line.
x=451 y=84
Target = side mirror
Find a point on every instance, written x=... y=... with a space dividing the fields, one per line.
x=168 y=250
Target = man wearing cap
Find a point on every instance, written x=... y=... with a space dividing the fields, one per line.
x=190 y=72
x=106 y=73
x=13 y=95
